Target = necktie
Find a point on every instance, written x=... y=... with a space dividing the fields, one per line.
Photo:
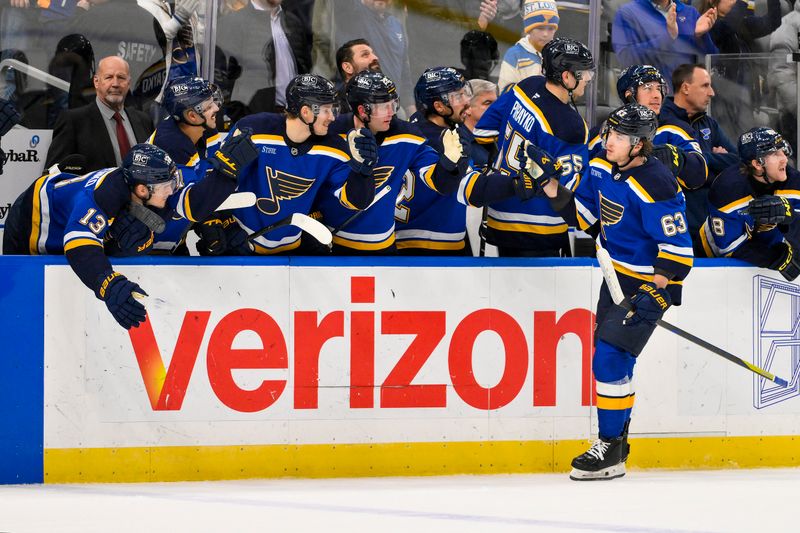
x=122 y=137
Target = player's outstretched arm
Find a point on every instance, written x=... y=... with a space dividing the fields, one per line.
x=359 y=188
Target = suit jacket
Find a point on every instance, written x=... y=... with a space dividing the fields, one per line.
x=82 y=131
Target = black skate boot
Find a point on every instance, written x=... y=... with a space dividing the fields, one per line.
x=602 y=461
x=626 y=448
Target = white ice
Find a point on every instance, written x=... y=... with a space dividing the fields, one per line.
x=659 y=501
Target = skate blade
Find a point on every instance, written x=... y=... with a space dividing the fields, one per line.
x=612 y=472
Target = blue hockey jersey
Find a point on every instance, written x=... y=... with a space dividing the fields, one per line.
x=401 y=149
x=642 y=220
x=190 y=159
x=531 y=112
x=729 y=232
x=287 y=177
x=426 y=219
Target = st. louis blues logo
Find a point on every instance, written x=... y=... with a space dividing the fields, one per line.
x=282 y=186
x=610 y=212
x=381 y=174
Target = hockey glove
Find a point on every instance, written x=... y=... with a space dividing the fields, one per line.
x=236 y=152
x=9 y=116
x=539 y=165
x=128 y=236
x=671 y=157
x=788 y=262
x=120 y=294
x=455 y=157
x=363 y=151
x=770 y=209
x=648 y=304
x=213 y=240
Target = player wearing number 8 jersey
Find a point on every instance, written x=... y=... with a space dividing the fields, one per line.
x=539 y=110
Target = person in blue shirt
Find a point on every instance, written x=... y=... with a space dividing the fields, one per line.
x=662 y=33
x=753 y=206
x=635 y=205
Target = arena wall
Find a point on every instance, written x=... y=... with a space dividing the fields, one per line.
x=321 y=367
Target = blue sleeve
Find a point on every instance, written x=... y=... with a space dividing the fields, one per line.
x=491 y=123
x=665 y=222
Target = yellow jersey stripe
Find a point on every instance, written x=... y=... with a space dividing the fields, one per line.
x=688 y=261
x=36 y=219
x=534 y=109
x=736 y=204
x=187 y=207
x=527 y=228
x=642 y=192
x=75 y=243
x=471 y=185
x=615 y=404
x=644 y=277
x=360 y=245
x=430 y=245
x=263 y=250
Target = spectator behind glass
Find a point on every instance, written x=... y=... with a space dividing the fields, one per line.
x=738 y=79
x=540 y=20
x=783 y=77
x=270 y=45
x=661 y=33
x=479 y=54
x=351 y=58
x=692 y=96
x=484 y=94
x=374 y=21
x=73 y=62
x=436 y=27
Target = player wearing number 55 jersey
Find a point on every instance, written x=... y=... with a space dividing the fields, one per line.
x=632 y=200
x=752 y=207
x=539 y=110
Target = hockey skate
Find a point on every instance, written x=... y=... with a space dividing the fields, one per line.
x=604 y=460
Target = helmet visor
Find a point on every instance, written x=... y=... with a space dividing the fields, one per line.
x=461 y=96
x=384 y=109
x=326 y=110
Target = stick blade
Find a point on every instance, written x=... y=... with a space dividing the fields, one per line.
x=314 y=228
x=238 y=200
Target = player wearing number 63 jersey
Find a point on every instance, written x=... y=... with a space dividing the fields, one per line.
x=633 y=201
x=752 y=207
x=541 y=111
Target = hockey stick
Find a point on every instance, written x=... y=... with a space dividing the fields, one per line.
x=238 y=200
x=610 y=275
x=304 y=222
x=380 y=194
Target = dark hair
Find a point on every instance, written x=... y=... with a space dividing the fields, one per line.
x=647 y=148
x=684 y=74
x=345 y=53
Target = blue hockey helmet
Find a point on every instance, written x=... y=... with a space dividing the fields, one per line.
x=634 y=120
x=566 y=55
x=147 y=164
x=188 y=92
x=309 y=90
x=634 y=77
x=758 y=142
x=369 y=87
x=438 y=83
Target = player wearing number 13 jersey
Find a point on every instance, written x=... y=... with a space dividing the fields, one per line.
x=540 y=110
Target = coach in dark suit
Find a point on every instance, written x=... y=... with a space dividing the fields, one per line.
x=104 y=130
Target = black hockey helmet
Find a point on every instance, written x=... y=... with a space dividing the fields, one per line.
x=634 y=120
x=80 y=45
x=565 y=55
x=147 y=164
x=436 y=84
x=758 y=142
x=370 y=87
x=309 y=90
x=188 y=92
x=479 y=48
x=634 y=77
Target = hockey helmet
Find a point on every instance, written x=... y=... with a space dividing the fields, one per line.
x=633 y=120
x=635 y=76
x=566 y=55
x=369 y=87
x=758 y=142
x=188 y=92
x=149 y=165
x=80 y=45
x=309 y=90
x=438 y=83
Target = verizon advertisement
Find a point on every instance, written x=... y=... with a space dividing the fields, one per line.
x=287 y=354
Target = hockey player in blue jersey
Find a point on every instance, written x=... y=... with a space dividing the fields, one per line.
x=539 y=110
x=673 y=144
x=752 y=207
x=431 y=220
x=75 y=215
x=189 y=135
x=401 y=148
x=300 y=160
x=632 y=200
